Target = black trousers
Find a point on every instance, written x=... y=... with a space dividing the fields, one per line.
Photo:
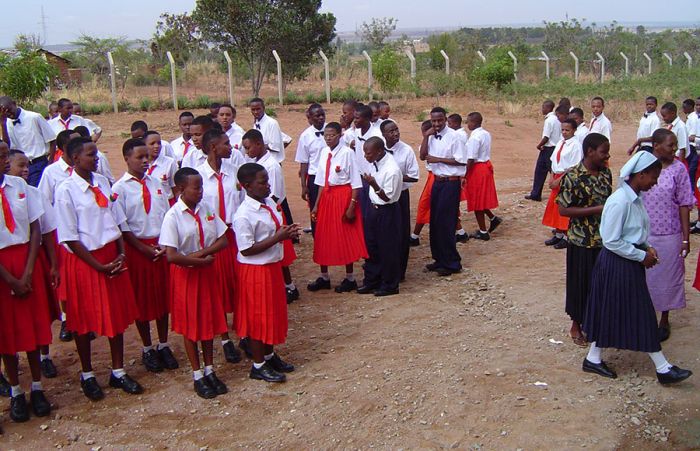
x=444 y=207
x=405 y=208
x=543 y=166
x=313 y=195
x=692 y=165
x=383 y=238
x=286 y=211
x=363 y=199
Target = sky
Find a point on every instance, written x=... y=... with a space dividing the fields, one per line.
x=136 y=19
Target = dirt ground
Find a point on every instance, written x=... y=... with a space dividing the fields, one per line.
x=479 y=360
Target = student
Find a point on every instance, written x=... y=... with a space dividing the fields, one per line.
x=161 y=168
x=269 y=127
x=445 y=151
x=309 y=149
x=619 y=311
x=481 y=186
x=195 y=156
x=454 y=121
x=374 y=121
x=671 y=121
x=691 y=125
x=26 y=324
x=384 y=111
x=566 y=103
x=408 y=164
x=363 y=131
x=668 y=204
x=144 y=202
x=339 y=239
x=600 y=123
x=138 y=129
x=261 y=313
x=67 y=120
x=694 y=140
x=648 y=123
x=567 y=155
x=53 y=111
x=214 y=111
x=103 y=167
x=192 y=236
x=183 y=143
x=551 y=134
x=581 y=128
x=227 y=119
x=584 y=190
x=99 y=295
x=347 y=120
x=423 y=209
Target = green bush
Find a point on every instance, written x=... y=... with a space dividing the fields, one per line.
x=184 y=103
x=146 y=104
x=292 y=98
x=315 y=97
x=387 y=69
x=270 y=111
x=145 y=79
x=497 y=71
x=93 y=109
x=348 y=93
x=124 y=105
x=25 y=77
x=202 y=102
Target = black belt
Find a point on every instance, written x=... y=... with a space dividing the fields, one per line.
x=377 y=206
x=452 y=178
x=39 y=159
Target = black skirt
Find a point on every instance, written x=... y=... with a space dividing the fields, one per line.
x=579 y=266
x=620 y=313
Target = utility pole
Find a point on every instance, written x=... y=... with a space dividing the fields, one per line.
x=43 y=26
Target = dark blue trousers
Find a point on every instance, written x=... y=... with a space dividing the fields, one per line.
x=363 y=199
x=313 y=195
x=542 y=168
x=405 y=208
x=36 y=169
x=444 y=207
x=383 y=238
x=692 y=166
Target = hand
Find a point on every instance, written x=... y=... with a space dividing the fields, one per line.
x=630 y=151
x=352 y=145
x=350 y=213
x=19 y=287
x=554 y=183
x=205 y=261
x=685 y=249
x=540 y=147
x=428 y=133
x=3 y=115
x=157 y=252
x=305 y=193
x=55 y=275
x=650 y=259
x=432 y=159
x=314 y=214
x=287 y=232
x=370 y=180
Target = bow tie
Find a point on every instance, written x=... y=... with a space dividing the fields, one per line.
x=319 y=133
x=646 y=115
x=362 y=139
x=375 y=166
x=438 y=137
x=16 y=121
x=257 y=125
x=390 y=151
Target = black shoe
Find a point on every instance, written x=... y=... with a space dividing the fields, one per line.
x=442 y=272
x=65 y=334
x=382 y=292
x=552 y=241
x=664 y=333
x=215 y=383
x=279 y=365
x=231 y=354
x=319 y=284
x=126 y=383
x=48 y=369
x=532 y=198
x=244 y=344
x=91 y=389
x=5 y=387
x=494 y=223
x=674 y=375
x=600 y=369
x=463 y=238
x=432 y=266
x=40 y=405
x=266 y=373
x=366 y=289
x=203 y=389
x=562 y=244
x=413 y=242
x=292 y=295
x=92 y=336
x=695 y=230
x=167 y=358
x=151 y=361
x=479 y=235
x=346 y=286
x=19 y=410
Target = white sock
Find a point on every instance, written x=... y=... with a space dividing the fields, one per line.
x=662 y=365
x=269 y=356
x=209 y=369
x=16 y=391
x=36 y=386
x=484 y=232
x=257 y=366
x=44 y=357
x=118 y=372
x=559 y=235
x=163 y=345
x=63 y=317
x=87 y=375
x=461 y=232
x=594 y=354
x=223 y=342
x=325 y=276
x=414 y=236
x=290 y=286
x=350 y=276
x=197 y=374
x=147 y=348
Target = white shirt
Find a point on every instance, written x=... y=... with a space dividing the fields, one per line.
x=235 y=136
x=103 y=167
x=551 y=129
x=309 y=148
x=343 y=167
x=58 y=124
x=79 y=216
x=272 y=136
x=210 y=184
x=32 y=134
x=52 y=177
x=194 y=158
x=275 y=177
x=479 y=146
x=48 y=222
x=389 y=178
x=571 y=155
x=167 y=149
x=450 y=145
x=581 y=132
x=26 y=208
x=362 y=164
x=130 y=200
x=163 y=170
x=180 y=229
x=692 y=125
x=178 y=145
x=647 y=124
x=253 y=224
x=678 y=128
x=602 y=125
x=463 y=134
x=406 y=160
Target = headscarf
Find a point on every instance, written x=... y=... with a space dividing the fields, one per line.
x=639 y=162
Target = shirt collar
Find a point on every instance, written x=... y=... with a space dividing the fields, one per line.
x=264 y=157
x=182 y=206
x=629 y=192
x=252 y=203
x=9 y=180
x=261 y=120
x=210 y=172
x=548 y=115
x=62 y=164
x=676 y=121
x=81 y=182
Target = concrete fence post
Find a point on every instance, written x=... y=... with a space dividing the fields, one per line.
x=229 y=67
x=279 y=76
x=327 y=72
x=112 y=82
x=173 y=78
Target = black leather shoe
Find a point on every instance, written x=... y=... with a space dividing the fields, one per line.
x=319 y=284
x=48 y=369
x=562 y=244
x=244 y=344
x=91 y=389
x=279 y=365
x=366 y=289
x=532 y=198
x=463 y=238
x=40 y=405
x=126 y=383
x=151 y=361
x=664 y=333
x=674 y=375
x=292 y=295
x=65 y=334
x=381 y=292
x=413 y=242
x=552 y=241
x=167 y=358
x=600 y=369
x=231 y=354
x=346 y=286
x=19 y=410
x=478 y=235
x=215 y=383
x=495 y=222
x=5 y=387
x=442 y=272
x=266 y=373
x=695 y=230
x=432 y=266
x=203 y=389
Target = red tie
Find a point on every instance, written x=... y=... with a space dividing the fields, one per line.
x=187 y=146
x=670 y=126
x=328 y=169
x=146 y=194
x=199 y=226
x=58 y=154
x=99 y=197
x=593 y=122
x=559 y=151
x=151 y=169
x=65 y=124
x=222 y=201
x=274 y=216
x=7 y=212
x=70 y=170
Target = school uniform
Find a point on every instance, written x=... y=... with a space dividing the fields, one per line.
x=31 y=133
x=423 y=208
x=363 y=165
x=103 y=167
x=95 y=302
x=648 y=123
x=194 y=158
x=678 y=129
x=163 y=170
x=272 y=136
x=180 y=148
x=552 y=131
x=568 y=154
x=309 y=148
x=235 y=137
x=25 y=323
x=197 y=308
x=58 y=124
x=463 y=135
x=693 y=128
x=53 y=176
x=480 y=186
x=408 y=164
x=167 y=149
x=144 y=203
x=601 y=124
x=581 y=132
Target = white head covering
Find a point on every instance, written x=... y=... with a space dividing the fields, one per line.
x=639 y=162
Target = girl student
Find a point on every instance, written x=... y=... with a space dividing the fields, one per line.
x=668 y=204
x=193 y=235
x=144 y=202
x=619 y=312
x=567 y=154
x=160 y=166
x=261 y=306
x=98 y=291
x=26 y=325
x=584 y=190
x=339 y=236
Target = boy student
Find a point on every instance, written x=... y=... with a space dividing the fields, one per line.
x=600 y=123
x=183 y=143
x=384 y=111
x=671 y=121
x=581 y=128
x=363 y=131
x=53 y=111
x=214 y=111
x=29 y=132
x=269 y=127
x=454 y=121
x=648 y=123
x=691 y=125
x=138 y=129
x=551 y=134
x=227 y=119
x=446 y=153
x=67 y=120
x=309 y=148
x=374 y=122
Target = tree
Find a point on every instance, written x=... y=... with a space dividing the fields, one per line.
x=25 y=76
x=253 y=28
x=177 y=33
x=388 y=69
x=28 y=43
x=92 y=52
x=376 y=32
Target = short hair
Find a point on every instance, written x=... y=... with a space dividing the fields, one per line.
x=82 y=131
x=75 y=145
x=565 y=101
x=375 y=141
x=209 y=136
x=562 y=109
x=149 y=133
x=373 y=105
x=549 y=103
x=62 y=101
x=689 y=103
x=383 y=103
x=476 y=116
x=670 y=106
x=660 y=135
x=139 y=125
x=653 y=99
x=364 y=111
x=256 y=100
x=593 y=141
x=314 y=106
x=385 y=124
x=351 y=103
x=180 y=177
x=206 y=122
x=455 y=117
x=602 y=101
x=335 y=126
x=577 y=111
x=130 y=144
x=186 y=114
x=214 y=105
x=229 y=106
x=438 y=110
x=53 y=104
x=63 y=137
x=253 y=135
x=248 y=171
x=426 y=124
x=15 y=152
x=571 y=122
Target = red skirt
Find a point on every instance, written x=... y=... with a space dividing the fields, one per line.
x=95 y=302
x=551 y=217
x=25 y=324
x=150 y=281
x=337 y=241
x=51 y=298
x=226 y=266
x=695 y=188
x=261 y=307
x=481 y=187
x=289 y=254
x=197 y=308
x=61 y=255
x=423 y=213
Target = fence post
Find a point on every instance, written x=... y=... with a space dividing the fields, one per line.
x=573 y=55
x=369 y=72
x=413 y=64
x=447 y=61
x=515 y=65
x=602 y=66
x=627 y=64
x=229 y=66
x=689 y=58
x=173 y=78
x=669 y=58
x=328 y=75
x=648 y=62
x=546 y=63
x=112 y=82
x=279 y=76
x=481 y=55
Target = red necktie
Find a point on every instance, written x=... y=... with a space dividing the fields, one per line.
x=70 y=170
x=7 y=212
x=328 y=169
x=274 y=216
x=58 y=154
x=99 y=197
x=593 y=122
x=199 y=226
x=151 y=169
x=670 y=126
x=559 y=151
x=187 y=146
x=65 y=124
x=146 y=194
x=222 y=200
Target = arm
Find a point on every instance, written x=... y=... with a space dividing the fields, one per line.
x=303 y=173
x=3 y=122
x=350 y=212
x=612 y=222
x=685 y=228
x=379 y=191
x=47 y=243
x=82 y=253
x=314 y=211
x=285 y=232
x=151 y=252
x=638 y=143
x=542 y=142
x=579 y=212
x=176 y=258
x=218 y=245
x=424 y=144
x=23 y=285
x=96 y=136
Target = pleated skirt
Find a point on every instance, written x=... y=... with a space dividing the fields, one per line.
x=423 y=212
x=288 y=252
x=150 y=282
x=551 y=217
x=666 y=280
x=481 y=187
x=51 y=297
x=261 y=306
x=226 y=266
x=579 y=266
x=337 y=241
